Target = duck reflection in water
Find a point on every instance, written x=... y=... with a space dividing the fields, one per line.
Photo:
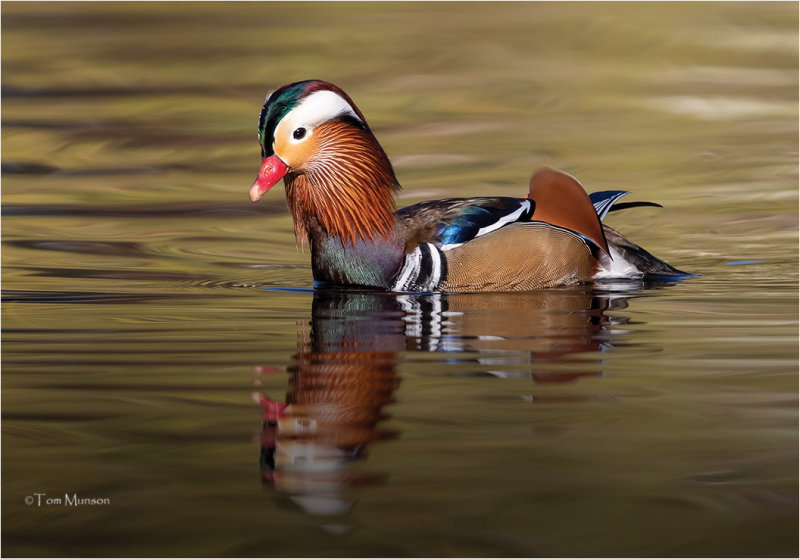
x=344 y=372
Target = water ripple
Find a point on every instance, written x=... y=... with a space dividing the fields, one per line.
x=86 y=297
x=176 y=209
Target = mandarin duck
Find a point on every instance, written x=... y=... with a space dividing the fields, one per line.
x=340 y=188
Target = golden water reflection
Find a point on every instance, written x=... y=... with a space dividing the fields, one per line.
x=344 y=374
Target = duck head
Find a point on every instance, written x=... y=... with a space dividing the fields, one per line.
x=339 y=181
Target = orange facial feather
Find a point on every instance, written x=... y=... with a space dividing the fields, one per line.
x=346 y=186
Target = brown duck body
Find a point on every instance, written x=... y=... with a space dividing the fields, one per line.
x=520 y=257
x=340 y=187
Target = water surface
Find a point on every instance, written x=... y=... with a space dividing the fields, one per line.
x=164 y=353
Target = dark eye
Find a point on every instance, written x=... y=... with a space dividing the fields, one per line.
x=299 y=133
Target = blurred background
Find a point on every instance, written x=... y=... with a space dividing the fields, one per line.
x=137 y=332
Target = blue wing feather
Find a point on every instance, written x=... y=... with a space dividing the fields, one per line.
x=604 y=199
x=465 y=224
x=455 y=221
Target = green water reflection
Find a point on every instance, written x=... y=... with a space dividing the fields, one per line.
x=618 y=420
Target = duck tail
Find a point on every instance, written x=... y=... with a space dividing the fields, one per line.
x=628 y=260
x=562 y=201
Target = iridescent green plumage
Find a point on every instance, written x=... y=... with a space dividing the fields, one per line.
x=277 y=106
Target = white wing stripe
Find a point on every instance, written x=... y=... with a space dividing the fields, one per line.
x=410 y=267
x=510 y=218
x=436 y=264
x=415 y=263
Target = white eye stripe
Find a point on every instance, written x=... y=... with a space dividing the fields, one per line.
x=320 y=106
